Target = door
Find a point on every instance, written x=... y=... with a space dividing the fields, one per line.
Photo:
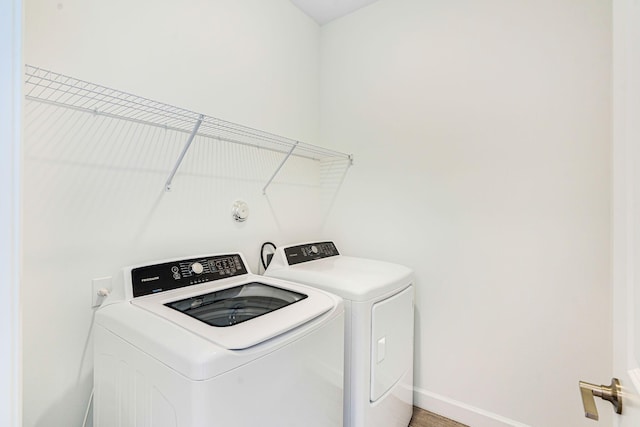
x=391 y=343
x=10 y=131
x=626 y=209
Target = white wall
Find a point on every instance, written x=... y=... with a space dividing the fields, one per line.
x=93 y=186
x=483 y=139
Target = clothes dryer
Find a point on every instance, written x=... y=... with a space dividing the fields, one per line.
x=201 y=341
x=379 y=310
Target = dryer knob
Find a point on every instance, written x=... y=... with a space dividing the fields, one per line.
x=197 y=268
x=314 y=249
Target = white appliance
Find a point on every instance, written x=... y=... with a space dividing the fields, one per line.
x=379 y=304
x=203 y=342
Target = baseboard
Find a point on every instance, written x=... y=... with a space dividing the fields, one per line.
x=461 y=412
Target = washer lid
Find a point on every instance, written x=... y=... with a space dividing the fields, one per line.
x=356 y=279
x=294 y=305
x=231 y=306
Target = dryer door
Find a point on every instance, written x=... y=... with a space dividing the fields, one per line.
x=391 y=341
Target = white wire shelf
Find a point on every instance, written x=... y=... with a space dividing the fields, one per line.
x=57 y=89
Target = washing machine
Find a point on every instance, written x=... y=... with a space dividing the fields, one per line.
x=200 y=341
x=379 y=307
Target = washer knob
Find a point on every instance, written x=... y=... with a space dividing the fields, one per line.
x=197 y=268
x=314 y=249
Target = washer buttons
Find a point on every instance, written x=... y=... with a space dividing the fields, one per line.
x=197 y=268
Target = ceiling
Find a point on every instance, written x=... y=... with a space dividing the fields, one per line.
x=323 y=11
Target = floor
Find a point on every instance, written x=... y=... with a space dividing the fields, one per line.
x=422 y=418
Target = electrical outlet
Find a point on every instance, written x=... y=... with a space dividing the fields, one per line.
x=100 y=288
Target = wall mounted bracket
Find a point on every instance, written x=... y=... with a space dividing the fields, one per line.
x=264 y=189
x=167 y=185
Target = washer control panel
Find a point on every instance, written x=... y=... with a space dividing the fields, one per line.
x=309 y=252
x=152 y=279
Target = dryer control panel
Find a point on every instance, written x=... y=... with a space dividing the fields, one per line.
x=152 y=279
x=309 y=252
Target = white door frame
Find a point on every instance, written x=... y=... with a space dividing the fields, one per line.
x=626 y=206
x=10 y=253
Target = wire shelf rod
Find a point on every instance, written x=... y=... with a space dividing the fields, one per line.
x=64 y=91
x=88 y=92
x=102 y=99
x=308 y=154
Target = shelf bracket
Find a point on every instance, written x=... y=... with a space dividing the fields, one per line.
x=167 y=185
x=264 y=189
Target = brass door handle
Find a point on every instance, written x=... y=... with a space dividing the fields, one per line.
x=610 y=393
